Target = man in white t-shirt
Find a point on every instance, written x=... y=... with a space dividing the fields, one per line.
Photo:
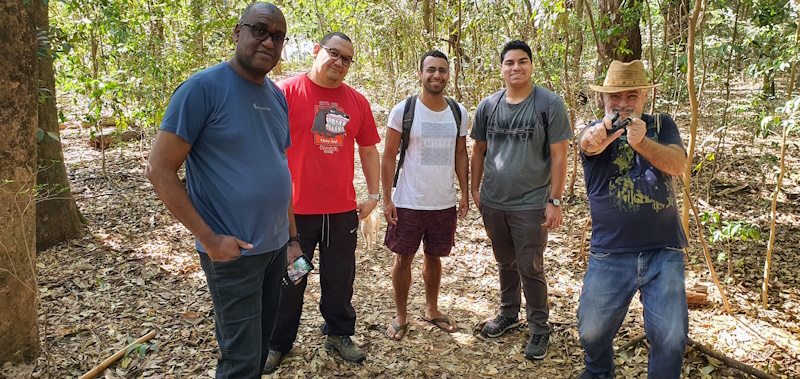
x=423 y=207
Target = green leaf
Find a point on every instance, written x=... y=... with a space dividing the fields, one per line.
x=39 y=135
x=142 y=349
x=53 y=135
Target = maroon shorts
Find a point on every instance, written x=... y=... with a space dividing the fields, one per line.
x=436 y=229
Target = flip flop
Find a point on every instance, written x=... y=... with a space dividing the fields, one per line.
x=436 y=322
x=398 y=329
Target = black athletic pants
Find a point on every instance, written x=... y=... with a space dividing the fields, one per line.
x=336 y=236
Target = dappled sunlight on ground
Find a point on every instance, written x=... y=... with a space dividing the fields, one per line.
x=137 y=270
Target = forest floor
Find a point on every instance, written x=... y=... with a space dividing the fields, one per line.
x=136 y=270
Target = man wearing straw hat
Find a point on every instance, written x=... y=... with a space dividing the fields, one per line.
x=629 y=161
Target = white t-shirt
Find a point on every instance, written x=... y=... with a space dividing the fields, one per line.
x=426 y=179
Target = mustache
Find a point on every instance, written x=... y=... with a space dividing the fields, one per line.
x=631 y=111
x=626 y=109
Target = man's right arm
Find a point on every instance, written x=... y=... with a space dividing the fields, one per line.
x=166 y=157
x=476 y=170
x=594 y=139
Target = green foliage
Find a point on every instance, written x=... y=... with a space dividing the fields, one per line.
x=727 y=231
x=138 y=349
x=124 y=58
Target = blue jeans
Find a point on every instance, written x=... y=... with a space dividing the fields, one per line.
x=245 y=293
x=610 y=282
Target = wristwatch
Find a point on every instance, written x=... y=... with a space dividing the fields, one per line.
x=375 y=196
x=556 y=202
x=296 y=238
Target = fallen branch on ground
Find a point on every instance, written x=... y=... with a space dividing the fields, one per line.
x=99 y=368
x=706 y=253
x=727 y=361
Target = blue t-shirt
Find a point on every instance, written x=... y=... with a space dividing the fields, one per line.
x=633 y=204
x=237 y=174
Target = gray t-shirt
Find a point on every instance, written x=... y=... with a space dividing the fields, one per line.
x=516 y=171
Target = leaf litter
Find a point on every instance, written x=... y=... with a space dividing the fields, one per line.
x=136 y=270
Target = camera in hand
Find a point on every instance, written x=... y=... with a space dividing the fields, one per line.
x=301 y=267
x=617 y=124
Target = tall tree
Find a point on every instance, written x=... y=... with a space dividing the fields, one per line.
x=687 y=175
x=57 y=215
x=619 y=20
x=19 y=330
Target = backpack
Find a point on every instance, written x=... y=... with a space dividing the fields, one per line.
x=541 y=101
x=408 y=120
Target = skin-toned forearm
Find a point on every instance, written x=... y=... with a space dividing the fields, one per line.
x=292 y=248
x=476 y=169
x=389 y=161
x=462 y=166
x=173 y=194
x=669 y=159
x=292 y=224
x=166 y=157
x=371 y=166
x=558 y=168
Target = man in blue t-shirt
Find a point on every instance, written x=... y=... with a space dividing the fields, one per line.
x=629 y=162
x=229 y=124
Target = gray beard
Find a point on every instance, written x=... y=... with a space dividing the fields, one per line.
x=610 y=113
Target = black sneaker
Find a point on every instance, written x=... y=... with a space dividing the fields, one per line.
x=499 y=325
x=537 y=346
x=346 y=348
x=273 y=361
x=588 y=375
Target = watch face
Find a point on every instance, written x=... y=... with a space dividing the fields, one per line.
x=555 y=202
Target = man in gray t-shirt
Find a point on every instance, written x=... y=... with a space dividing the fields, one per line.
x=523 y=166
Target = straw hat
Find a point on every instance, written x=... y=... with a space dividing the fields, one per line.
x=624 y=77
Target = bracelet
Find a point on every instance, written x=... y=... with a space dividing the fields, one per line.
x=375 y=196
x=296 y=238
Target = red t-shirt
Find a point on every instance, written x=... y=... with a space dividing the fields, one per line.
x=325 y=123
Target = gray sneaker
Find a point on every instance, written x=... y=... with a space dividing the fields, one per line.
x=499 y=325
x=273 y=361
x=537 y=346
x=349 y=351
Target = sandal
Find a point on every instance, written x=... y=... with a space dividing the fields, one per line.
x=399 y=330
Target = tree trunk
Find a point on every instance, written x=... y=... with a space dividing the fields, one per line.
x=19 y=327
x=627 y=45
x=427 y=16
x=687 y=174
x=57 y=215
x=572 y=63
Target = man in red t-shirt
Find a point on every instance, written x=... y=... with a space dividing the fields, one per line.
x=327 y=119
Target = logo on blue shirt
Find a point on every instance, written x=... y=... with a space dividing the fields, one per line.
x=261 y=108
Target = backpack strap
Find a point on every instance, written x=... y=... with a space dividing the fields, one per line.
x=408 y=120
x=491 y=106
x=456 y=112
x=658 y=122
x=541 y=106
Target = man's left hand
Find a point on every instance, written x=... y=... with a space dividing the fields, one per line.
x=553 y=217
x=463 y=206
x=365 y=207
x=636 y=131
